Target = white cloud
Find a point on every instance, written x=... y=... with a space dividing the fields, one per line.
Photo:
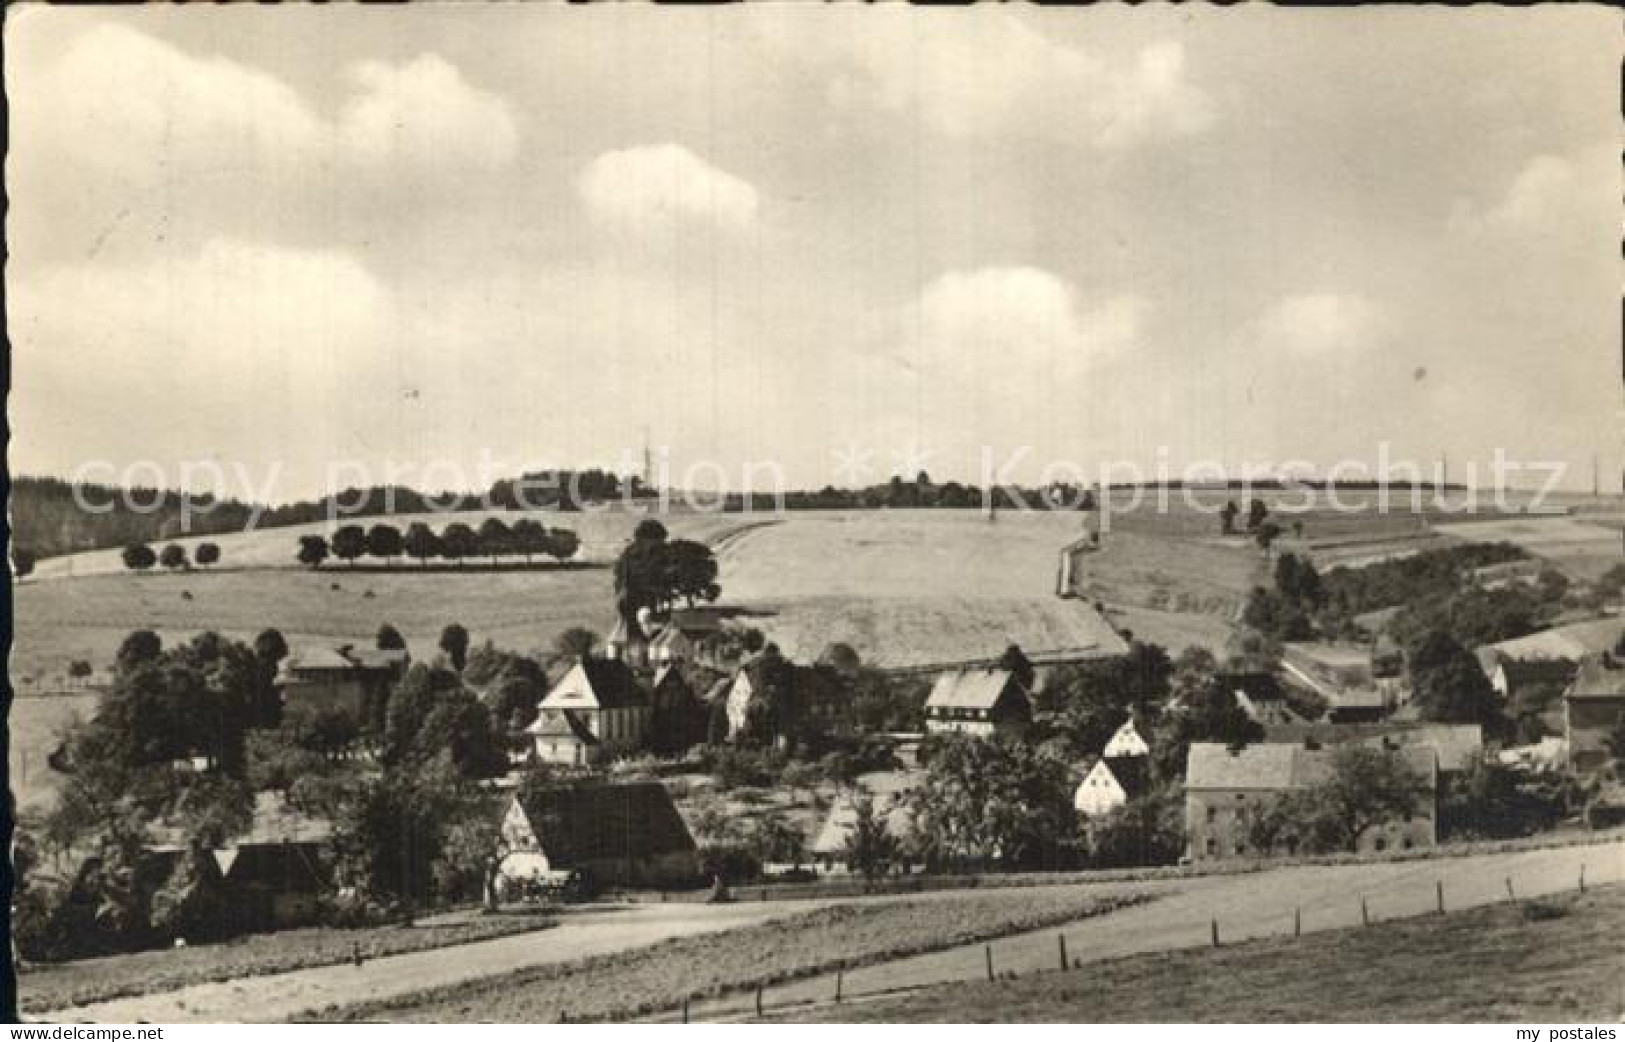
x=651 y=186
x=979 y=72
x=425 y=112
x=1319 y=325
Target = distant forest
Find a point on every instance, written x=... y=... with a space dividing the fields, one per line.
x=47 y=522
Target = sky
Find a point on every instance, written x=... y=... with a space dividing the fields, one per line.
x=438 y=243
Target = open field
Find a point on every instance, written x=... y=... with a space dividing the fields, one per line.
x=1555 y=961
x=661 y=977
x=57 y=985
x=1583 y=549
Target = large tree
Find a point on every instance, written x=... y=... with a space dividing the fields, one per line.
x=496 y=538
x=1365 y=787
x=138 y=557
x=459 y=542
x=207 y=554
x=987 y=799
x=454 y=642
x=690 y=571
x=384 y=541
x=870 y=848
x=349 y=543
x=1449 y=686
x=421 y=543
x=313 y=550
x=529 y=538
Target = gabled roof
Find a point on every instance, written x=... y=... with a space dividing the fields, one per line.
x=1126 y=743
x=668 y=639
x=670 y=674
x=565 y=725
x=837 y=826
x=1599 y=676
x=318 y=658
x=379 y=658
x=1131 y=773
x=718 y=691
x=1573 y=641
x=596 y=683
x=1520 y=671
x=1260 y=687
x=583 y=823
x=1274 y=767
x=970 y=689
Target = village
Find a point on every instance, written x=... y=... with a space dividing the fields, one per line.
x=685 y=756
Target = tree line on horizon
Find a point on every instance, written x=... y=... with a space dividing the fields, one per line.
x=456 y=542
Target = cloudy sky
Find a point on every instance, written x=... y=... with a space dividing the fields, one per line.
x=830 y=238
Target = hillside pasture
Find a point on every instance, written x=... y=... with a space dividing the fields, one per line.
x=1580 y=549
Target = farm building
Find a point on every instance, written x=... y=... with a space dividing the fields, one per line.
x=596 y=697
x=1573 y=642
x=1110 y=784
x=890 y=795
x=615 y=835
x=1457 y=746
x=342 y=678
x=1225 y=787
x=979 y=702
x=1593 y=709
x=1514 y=675
x=1261 y=697
x=628 y=643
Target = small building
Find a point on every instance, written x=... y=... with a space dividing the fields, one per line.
x=1126 y=742
x=1226 y=787
x=564 y=738
x=624 y=835
x=604 y=698
x=1593 y=709
x=1358 y=706
x=888 y=793
x=343 y=678
x=1110 y=784
x=981 y=702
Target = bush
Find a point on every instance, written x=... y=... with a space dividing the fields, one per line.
x=732 y=861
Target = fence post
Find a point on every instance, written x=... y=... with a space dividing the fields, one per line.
x=840 y=979
x=1510 y=895
x=1214 y=924
x=758 y=1000
x=1365 y=913
x=685 y=1009
x=1297 y=922
x=564 y=1016
x=988 y=951
x=1582 y=877
x=1061 y=937
x=1439 y=887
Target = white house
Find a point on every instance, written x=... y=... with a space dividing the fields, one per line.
x=596 y=709
x=1125 y=743
x=980 y=702
x=1100 y=792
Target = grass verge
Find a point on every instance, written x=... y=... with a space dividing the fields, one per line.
x=636 y=983
x=1553 y=960
x=52 y=986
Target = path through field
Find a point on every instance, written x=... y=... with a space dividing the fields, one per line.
x=1246 y=905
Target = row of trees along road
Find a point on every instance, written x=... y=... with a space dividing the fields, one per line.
x=139 y=557
x=457 y=542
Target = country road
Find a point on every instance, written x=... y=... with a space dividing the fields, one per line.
x=1247 y=905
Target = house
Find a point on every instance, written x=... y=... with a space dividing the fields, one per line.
x=622 y=835
x=1362 y=706
x=1593 y=708
x=1110 y=784
x=597 y=697
x=1514 y=675
x=628 y=643
x=1359 y=683
x=669 y=646
x=888 y=792
x=1457 y=747
x=341 y=678
x=1126 y=742
x=1261 y=697
x=1225 y=787
x=981 y=702
x=1573 y=642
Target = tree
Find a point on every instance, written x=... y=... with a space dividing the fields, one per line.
x=649 y=531
x=496 y=538
x=775 y=839
x=389 y=639
x=562 y=543
x=207 y=554
x=173 y=557
x=1265 y=536
x=576 y=642
x=992 y=798
x=384 y=541
x=1227 y=517
x=1017 y=662
x=421 y=543
x=313 y=550
x=270 y=648
x=690 y=571
x=140 y=647
x=1366 y=787
x=22 y=562
x=349 y=543
x=528 y=537
x=870 y=848
x=138 y=557
x=454 y=642
x=1147 y=830
x=458 y=542
x=1449 y=686
x=1256 y=513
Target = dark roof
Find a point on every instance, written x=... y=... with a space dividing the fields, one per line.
x=970 y=689
x=1260 y=687
x=565 y=725
x=584 y=823
x=1521 y=671
x=600 y=683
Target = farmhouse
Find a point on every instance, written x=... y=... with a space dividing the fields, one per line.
x=1513 y=676
x=596 y=705
x=1593 y=710
x=1125 y=742
x=342 y=678
x=1573 y=642
x=981 y=702
x=1457 y=747
x=1226 y=787
x=615 y=835
x=889 y=791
